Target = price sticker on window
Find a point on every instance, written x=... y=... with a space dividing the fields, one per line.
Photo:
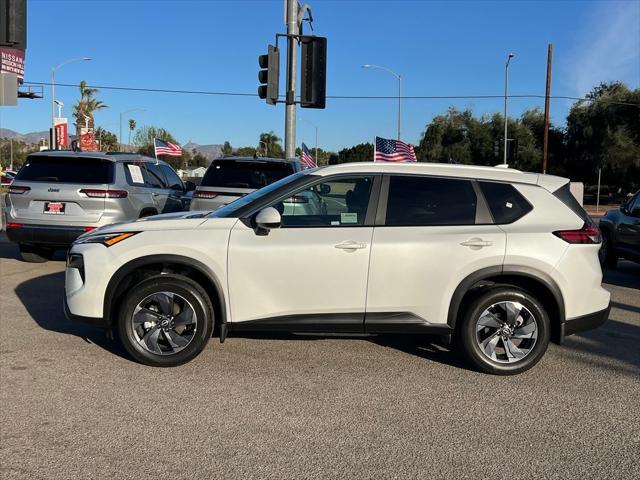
x=136 y=174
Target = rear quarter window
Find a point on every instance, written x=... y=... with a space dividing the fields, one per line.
x=565 y=196
x=505 y=202
x=80 y=170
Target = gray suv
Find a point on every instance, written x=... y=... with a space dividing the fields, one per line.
x=230 y=178
x=58 y=195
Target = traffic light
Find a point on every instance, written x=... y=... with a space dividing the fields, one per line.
x=313 y=88
x=13 y=26
x=269 y=75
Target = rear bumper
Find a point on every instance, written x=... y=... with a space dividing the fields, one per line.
x=44 y=235
x=583 y=323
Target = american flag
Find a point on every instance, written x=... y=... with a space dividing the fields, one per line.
x=166 y=148
x=306 y=158
x=393 y=151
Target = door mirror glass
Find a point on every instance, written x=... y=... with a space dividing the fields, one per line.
x=189 y=186
x=267 y=219
x=324 y=189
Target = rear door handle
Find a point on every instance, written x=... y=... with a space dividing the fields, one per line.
x=351 y=245
x=477 y=242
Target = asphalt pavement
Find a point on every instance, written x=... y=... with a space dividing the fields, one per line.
x=74 y=406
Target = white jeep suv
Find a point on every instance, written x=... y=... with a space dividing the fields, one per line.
x=496 y=260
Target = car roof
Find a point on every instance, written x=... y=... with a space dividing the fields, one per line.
x=109 y=156
x=497 y=173
x=257 y=159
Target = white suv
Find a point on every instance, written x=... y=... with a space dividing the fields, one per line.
x=497 y=260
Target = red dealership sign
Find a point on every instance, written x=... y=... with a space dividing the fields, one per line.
x=87 y=143
x=12 y=61
x=62 y=137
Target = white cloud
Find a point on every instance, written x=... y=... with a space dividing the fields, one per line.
x=607 y=47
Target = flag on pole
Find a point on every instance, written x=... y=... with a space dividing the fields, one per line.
x=306 y=158
x=166 y=148
x=393 y=151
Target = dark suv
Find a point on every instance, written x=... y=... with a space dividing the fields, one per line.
x=621 y=233
x=58 y=195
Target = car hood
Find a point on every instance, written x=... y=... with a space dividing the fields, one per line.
x=167 y=221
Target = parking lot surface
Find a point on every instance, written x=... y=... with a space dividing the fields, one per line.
x=289 y=406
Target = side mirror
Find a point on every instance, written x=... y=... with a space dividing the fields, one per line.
x=267 y=219
x=189 y=186
x=324 y=189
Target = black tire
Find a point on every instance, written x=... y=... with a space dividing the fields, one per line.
x=34 y=254
x=607 y=254
x=469 y=339
x=147 y=213
x=181 y=286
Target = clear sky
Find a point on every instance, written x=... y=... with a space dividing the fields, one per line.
x=440 y=48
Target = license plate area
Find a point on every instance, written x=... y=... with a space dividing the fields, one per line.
x=54 y=208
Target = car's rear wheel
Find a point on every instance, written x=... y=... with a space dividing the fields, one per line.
x=34 y=254
x=165 y=320
x=504 y=331
x=606 y=254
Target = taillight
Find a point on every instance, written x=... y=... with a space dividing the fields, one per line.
x=88 y=229
x=297 y=199
x=15 y=225
x=97 y=193
x=588 y=234
x=18 y=190
x=204 y=194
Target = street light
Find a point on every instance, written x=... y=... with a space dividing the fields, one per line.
x=506 y=94
x=137 y=109
x=399 y=77
x=316 y=127
x=54 y=143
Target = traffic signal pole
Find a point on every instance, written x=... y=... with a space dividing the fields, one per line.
x=290 y=97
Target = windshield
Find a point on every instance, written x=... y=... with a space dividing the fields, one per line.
x=231 y=209
x=244 y=174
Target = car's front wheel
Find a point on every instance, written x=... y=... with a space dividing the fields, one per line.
x=504 y=331
x=165 y=320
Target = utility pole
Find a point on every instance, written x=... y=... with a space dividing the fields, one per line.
x=290 y=98
x=545 y=143
x=506 y=96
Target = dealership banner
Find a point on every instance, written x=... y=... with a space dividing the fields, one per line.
x=12 y=61
x=87 y=142
x=62 y=134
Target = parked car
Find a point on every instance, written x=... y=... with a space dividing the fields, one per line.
x=621 y=233
x=7 y=176
x=497 y=260
x=58 y=195
x=230 y=178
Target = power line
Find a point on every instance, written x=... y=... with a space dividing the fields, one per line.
x=339 y=97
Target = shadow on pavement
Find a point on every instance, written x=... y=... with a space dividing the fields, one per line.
x=42 y=297
x=10 y=250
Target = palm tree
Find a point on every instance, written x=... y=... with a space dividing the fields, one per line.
x=86 y=105
x=132 y=127
x=271 y=143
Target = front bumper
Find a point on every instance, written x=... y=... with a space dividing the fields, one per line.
x=93 y=321
x=583 y=323
x=44 y=235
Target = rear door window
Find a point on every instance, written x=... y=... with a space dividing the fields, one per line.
x=245 y=174
x=424 y=201
x=80 y=170
x=505 y=202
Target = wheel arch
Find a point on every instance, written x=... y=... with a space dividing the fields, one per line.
x=194 y=269
x=538 y=283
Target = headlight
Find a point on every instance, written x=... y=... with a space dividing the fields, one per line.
x=106 y=239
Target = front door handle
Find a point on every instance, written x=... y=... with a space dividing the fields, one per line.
x=477 y=243
x=351 y=245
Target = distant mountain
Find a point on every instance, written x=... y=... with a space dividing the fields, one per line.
x=210 y=151
x=31 y=137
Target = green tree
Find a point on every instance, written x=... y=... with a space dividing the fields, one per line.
x=246 y=152
x=363 y=152
x=85 y=107
x=132 y=127
x=269 y=145
x=107 y=141
x=227 y=149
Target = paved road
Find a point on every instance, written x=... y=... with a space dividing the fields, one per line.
x=73 y=406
